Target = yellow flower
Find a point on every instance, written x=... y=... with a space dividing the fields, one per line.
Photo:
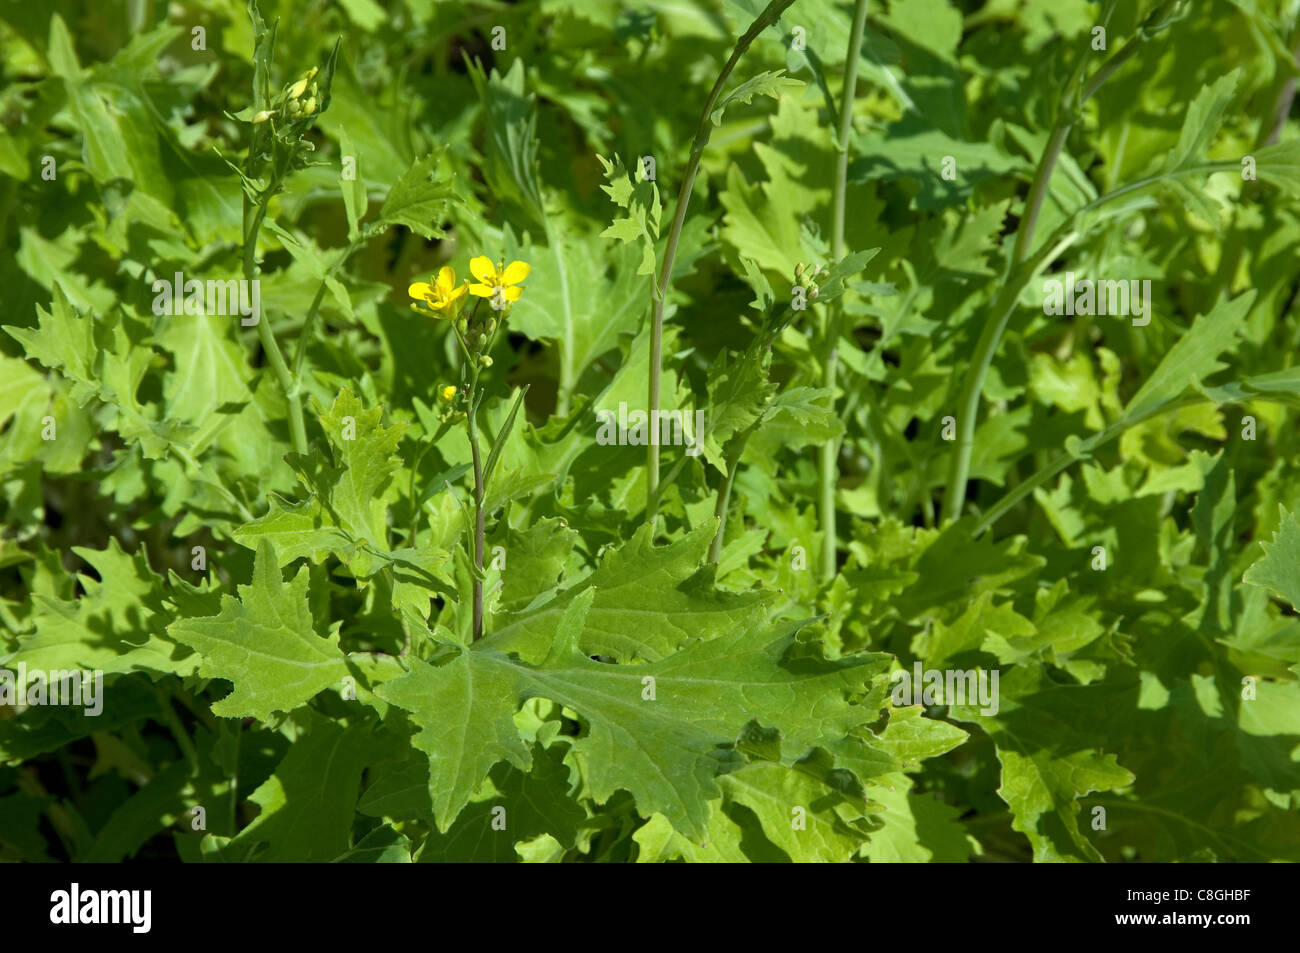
x=440 y=296
x=492 y=282
x=447 y=393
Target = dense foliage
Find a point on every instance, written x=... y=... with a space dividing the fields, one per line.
x=377 y=566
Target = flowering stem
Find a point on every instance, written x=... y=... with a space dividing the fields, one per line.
x=664 y=280
x=253 y=217
x=828 y=469
x=1004 y=304
x=724 y=495
x=474 y=369
x=480 y=522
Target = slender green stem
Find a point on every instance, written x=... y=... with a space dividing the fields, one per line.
x=480 y=524
x=234 y=778
x=724 y=497
x=475 y=370
x=198 y=709
x=297 y=427
x=828 y=457
x=1282 y=109
x=177 y=729
x=968 y=403
x=253 y=217
x=828 y=477
x=847 y=98
x=664 y=279
x=63 y=817
x=1062 y=461
x=1038 y=191
x=1004 y=303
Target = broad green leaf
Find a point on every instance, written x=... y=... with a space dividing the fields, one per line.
x=115 y=626
x=514 y=807
x=308 y=804
x=296 y=530
x=647 y=601
x=265 y=644
x=210 y=369
x=383 y=845
x=666 y=750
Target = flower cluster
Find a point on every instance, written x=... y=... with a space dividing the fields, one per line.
x=291 y=104
x=809 y=278
x=442 y=298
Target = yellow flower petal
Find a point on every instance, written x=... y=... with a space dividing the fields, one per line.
x=446 y=279
x=481 y=268
x=420 y=290
x=512 y=293
x=481 y=291
x=515 y=272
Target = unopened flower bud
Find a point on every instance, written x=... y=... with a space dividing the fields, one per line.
x=484 y=361
x=300 y=87
x=310 y=107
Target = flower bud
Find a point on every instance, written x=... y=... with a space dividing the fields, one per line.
x=484 y=361
x=300 y=87
x=310 y=107
x=263 y=116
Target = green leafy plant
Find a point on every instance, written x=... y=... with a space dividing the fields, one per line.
x=919 y=487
